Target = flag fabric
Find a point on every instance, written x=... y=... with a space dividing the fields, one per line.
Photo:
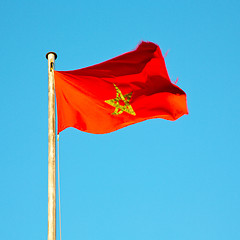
x=127 y=89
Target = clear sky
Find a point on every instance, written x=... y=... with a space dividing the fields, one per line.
x=154 y=180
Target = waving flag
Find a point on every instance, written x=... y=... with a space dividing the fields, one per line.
x=127 y=89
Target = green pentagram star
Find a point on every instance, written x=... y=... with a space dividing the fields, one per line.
x=118 y=107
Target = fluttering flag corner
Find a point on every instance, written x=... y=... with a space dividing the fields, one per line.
x=127 y=89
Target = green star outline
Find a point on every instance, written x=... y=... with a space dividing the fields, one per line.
x=119 y=109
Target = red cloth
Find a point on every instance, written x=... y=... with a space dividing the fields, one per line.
x=127 y=89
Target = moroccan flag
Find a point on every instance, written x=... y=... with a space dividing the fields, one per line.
x=127 y=89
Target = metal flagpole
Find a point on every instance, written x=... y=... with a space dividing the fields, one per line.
x=51 y=56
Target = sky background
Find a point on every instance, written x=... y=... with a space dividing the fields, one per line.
x=153 y=180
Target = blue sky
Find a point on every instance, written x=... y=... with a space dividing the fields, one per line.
x=154 y=180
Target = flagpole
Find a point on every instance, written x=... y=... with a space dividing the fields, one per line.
x=51 y=56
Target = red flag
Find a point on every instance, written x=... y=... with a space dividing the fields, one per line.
x=127 y=89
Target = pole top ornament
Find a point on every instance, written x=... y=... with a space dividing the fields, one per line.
x=51 y=53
